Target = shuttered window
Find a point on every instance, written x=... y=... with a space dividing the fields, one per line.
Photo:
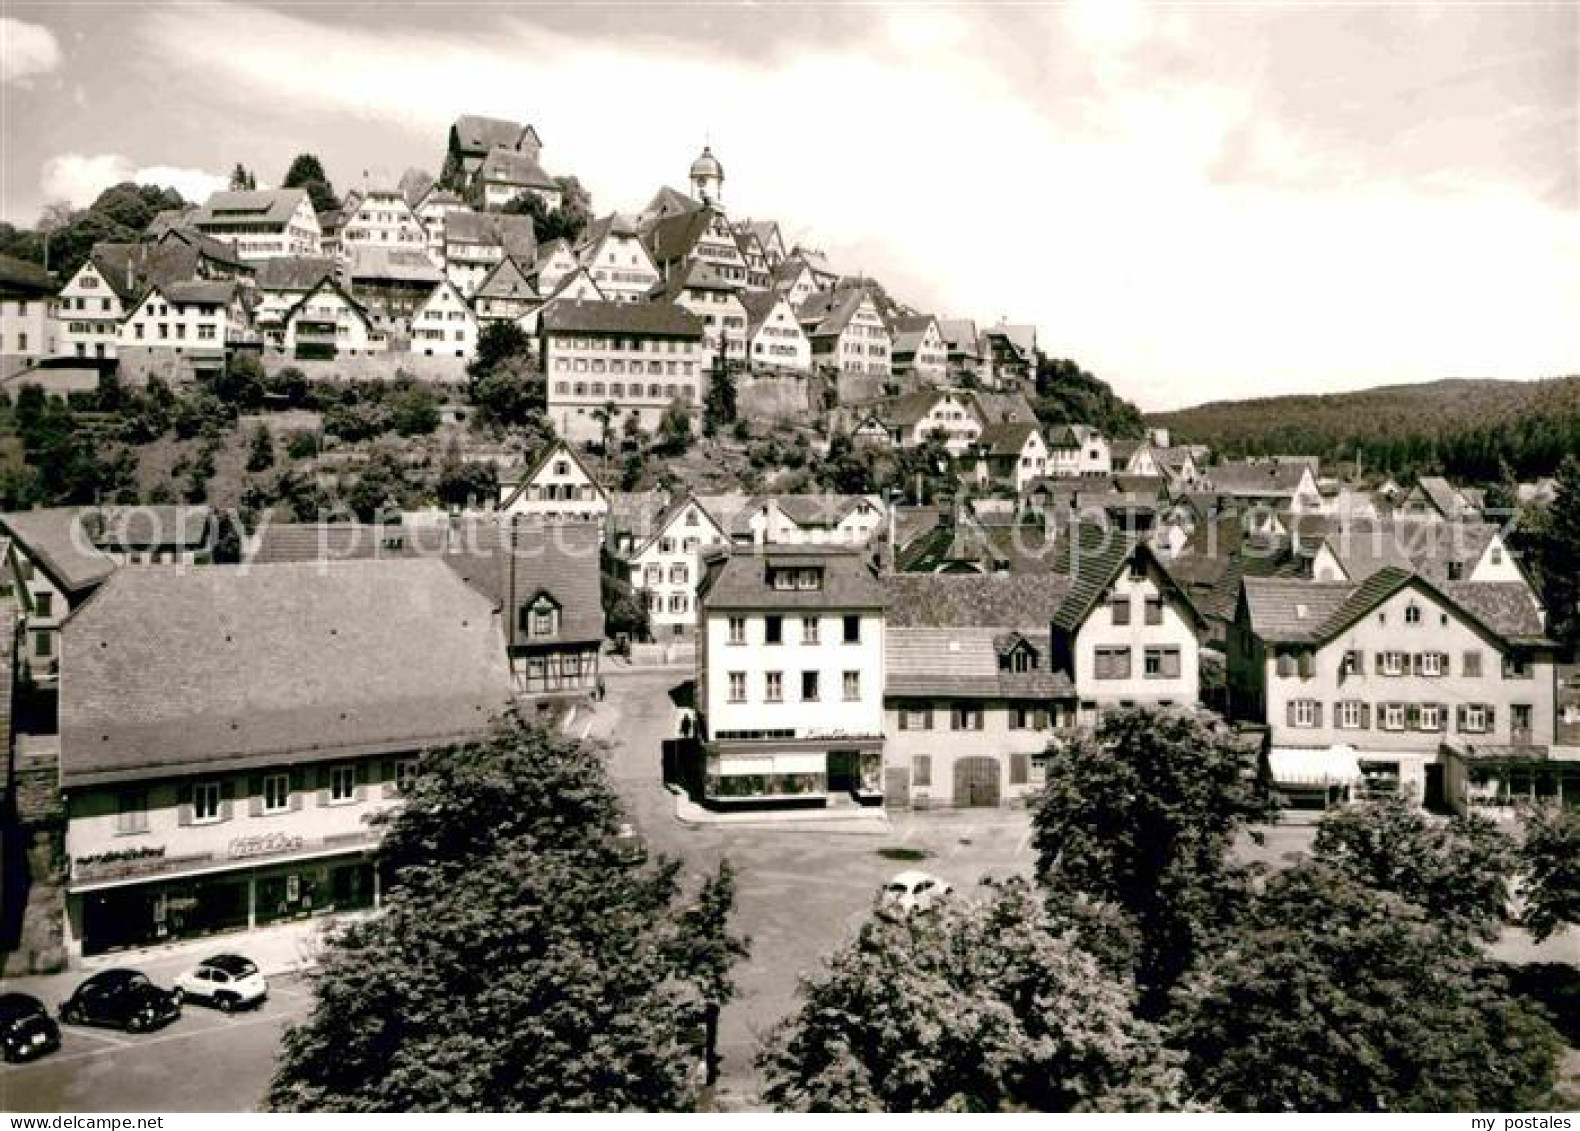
x=922 y=770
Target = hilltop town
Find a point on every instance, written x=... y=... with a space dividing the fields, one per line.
x=303 y=488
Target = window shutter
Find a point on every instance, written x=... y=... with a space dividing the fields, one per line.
x=227 y=799
x=1412 y=717
x=323 y=785
x=1360 y=662
x=1366 y=715
x=1040 y=718
x=1289 y=710
x=1459 y=719
x=1443 y=664
x=927 y=717
x=1286 y=664
x=903 y=724
x=1019 y=766
x=980 y=717
x=1316 y=714
x=1492 y=718
x=1307 y=665
x=1442 y=717
x=387 y=776
x=184 y=804
x=297 y=783
x=362 y=779
x=255 y=796
x=1382 y=664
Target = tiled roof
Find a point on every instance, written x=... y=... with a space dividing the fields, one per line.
x=822 y=510
x=1506 y=607
x=1257 y=477
x=1003 y=408
x=1294 y=610
x=234 y=667
x=207 y=247
x=908 y=330
x=760 y=306
x=493 y=229
x=389 y=264
x=669 y=202
x=506 y=280
x=21 y=279
x=130 y=268
x=252 y=206
x=959 y=334
x=829 y=312
x=277 y=543
x=215 y=292
x=996 y=602
x=1022 y=337
x=54 y=539
x=475 y=133
x=294 y=272
x=695 y=275
x=508 y=167
x=1006 y=439
x=1443 y=495
x=636 y=513
x=559 y=559
x=740 y=581
x=673 y=236
x=657 y=318
x=965 y=662
x=1095 y=558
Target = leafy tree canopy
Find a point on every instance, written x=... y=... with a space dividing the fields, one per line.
x=1335 y=997
x=1550 y=863
x=307 y=172
x=1068 y=394
x=1141 y=816
x=983 y=1005
x=525 y=962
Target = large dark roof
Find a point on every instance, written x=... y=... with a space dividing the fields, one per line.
x=21 y=279
x=636 y=318
x=513 y=563
x=1095 y=557
x=1025 y=601
x=235 y=667
x=508 y=167
x=252 y=206
x=475 y=133
x=294 y=272
x=62 y=548
x=957 y=662
x=741 y=581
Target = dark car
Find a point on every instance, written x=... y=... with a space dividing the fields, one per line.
x=26 y=1028
x=123 y=999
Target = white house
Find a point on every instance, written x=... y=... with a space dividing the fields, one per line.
x=507 y=174
x=773 y=333
x=612 y=251
x=848 y=334
x=555 y=262
x=700 y=234
x=187 y=318
x=431 y=209
x=281 y=284
x=790 y=676
x=383 y=219
x=795 y=280
x=664 y=563
x=262 y=223
x=558 y=487
x=444 y=325
x=505 y=293
x=716 y=301
x=1076 y=449
x=918 y=348
x=327 y=322
x=27 y=314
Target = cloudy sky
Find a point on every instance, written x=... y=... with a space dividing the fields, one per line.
x=1193 y=200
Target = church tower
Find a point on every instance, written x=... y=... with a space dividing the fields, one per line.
x=707 y=178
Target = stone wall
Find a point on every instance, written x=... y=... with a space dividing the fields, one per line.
x=769 y=397
x=376 y=367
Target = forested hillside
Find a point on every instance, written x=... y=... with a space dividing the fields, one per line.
x=1459 y=428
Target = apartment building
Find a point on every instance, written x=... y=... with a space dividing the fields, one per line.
x=774 y=338
x=309 y=694
x=661 y=547
x=557 y=487
x=263 y=223
x=918 y=348
x=847 y=333
x=444 y=325
x=790 y=677
x=639 y=357
x=327 y=322
x=27 y=315
x=716 y=301
x=1390 y=684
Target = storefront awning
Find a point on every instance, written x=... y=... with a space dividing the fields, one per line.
x=1314 y=765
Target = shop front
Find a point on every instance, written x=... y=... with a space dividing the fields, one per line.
x=792 y=773
x=113 y=909
x=1497 y=781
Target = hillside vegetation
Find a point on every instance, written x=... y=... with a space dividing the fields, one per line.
x=1464 y=429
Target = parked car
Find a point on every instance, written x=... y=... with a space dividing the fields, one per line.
x=226 y=981
x=122 y=999
x=26 y=1028
x=910 y=892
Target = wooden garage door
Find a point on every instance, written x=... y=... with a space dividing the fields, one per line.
x=897 y=787
x=976 y=782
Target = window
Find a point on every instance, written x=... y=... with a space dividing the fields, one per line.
x=276 y=793
x=677 y=574
x=737 y=687
x=852 y=629
x=205 y=803
x=1520 y=722
x=1353 y=663
x=916 y=716
x=1430 y=717
x=922 y=770
x=1351 y=715
x=44 y=604
x=966 y=716
x=1473 y=718
x=1392 y=663
x=737 y=630
x=541 y=619
x=43 y=645
x=809 y=628
x=1120 y=607
x=1162 y=663
x=773 y=630
x=132 y=815
x=1516 y=666
x=1412 y=614
x=1473 y=664
x=405 y=775
x=1111 y=663
x=851 y=686
x=1432 y=663
x=1154 y=610
x=1303 y=713
x=1028 y=718
x=774 y=687
x=809 y=687
x=342 y=784
x=1393 y=716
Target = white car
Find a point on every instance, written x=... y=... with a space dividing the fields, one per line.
x=226 y=981
x=910 y=892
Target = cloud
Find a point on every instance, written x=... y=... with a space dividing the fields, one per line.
x=1146 y=204
x=79 y=179
x=26 y=50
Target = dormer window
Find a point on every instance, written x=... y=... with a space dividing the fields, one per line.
x=541 y=619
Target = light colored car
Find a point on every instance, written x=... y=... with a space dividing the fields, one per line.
x=910 y=892
x=226 y=981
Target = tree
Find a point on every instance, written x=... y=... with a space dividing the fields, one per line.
x=1560 y=552
x=624 y=608
x=1455 y=870
x=241 y=178
x=1141 y=816
x=1335 y=997
x=260 y=455
x=565 y=222
x=414 y=409
x=973 y=1006
x=414 y=183
x=674 y=430
x=718 y=406
x=307 y=172
x=381 y=487
x=706 y=952
x=462 y=483
x=1068 y=394
x=525 y=961
x=1550 y=863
